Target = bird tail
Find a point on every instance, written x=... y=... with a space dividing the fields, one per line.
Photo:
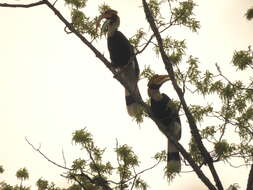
x=133 y=108
x=131 y=75
x=173 y=158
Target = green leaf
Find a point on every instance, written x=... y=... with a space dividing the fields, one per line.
x=195 y=152
x=82 y=137
x=104 y=7
x=1 y=169
x=147 y=72
x=76 y=3
x=135 y=40
x=126 y=154
x=183 y=15
x=22 y=174
x=42 y=184
x=154 y=7
x=223 y=149
x=242 y=59
x=249 y=13
x=140 y=184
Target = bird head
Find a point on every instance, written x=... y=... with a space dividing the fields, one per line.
x=156 y=82
x=112 y=21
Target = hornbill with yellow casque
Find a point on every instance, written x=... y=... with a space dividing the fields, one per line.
x=166 y=112
x=122 y=57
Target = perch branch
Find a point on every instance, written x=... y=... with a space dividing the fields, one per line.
x=193 y=127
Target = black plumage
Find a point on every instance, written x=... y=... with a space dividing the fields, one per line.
x=163 y=108
x=123 y=58
x=121 y=51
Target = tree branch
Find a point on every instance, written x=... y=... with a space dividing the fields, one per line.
x=22 y=5
x=118 y=77
x=250 y=179
x=108 y=65
x=194 y=129
x=49 y=160
x=231 y=83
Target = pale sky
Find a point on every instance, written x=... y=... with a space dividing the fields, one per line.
x=51 y=84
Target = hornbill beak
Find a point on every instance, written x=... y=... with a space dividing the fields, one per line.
x=157 y=81
x=107 y=14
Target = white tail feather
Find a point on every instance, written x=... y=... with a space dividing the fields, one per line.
x=173 y=159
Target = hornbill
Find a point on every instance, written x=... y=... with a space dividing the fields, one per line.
x=166 y=112
x=122 y=57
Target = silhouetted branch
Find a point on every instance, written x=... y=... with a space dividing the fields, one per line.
x=49 y=160
x=63 y=156
x=231 y=83
x=250 y=179
x=22 y=5
x=194 y=129
x=55 y=2
x=169 y=68
x=81 y=184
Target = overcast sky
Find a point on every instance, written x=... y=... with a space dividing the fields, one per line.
x=51 y=84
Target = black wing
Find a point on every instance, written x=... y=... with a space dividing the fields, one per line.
x=119 y=48
x=165 y=110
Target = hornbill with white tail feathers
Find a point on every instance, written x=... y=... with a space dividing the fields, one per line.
x=166 y=112
x=122 y=57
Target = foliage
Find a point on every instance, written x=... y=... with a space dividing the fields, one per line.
x=79 y=20
x=4 y=186
x=22 y=174
x=42 y=184
x=1 y=169
x=136 y=39
x=243 y=59
x=229 y=109
x=249 y=14
x=76 y=3
x=92 y=172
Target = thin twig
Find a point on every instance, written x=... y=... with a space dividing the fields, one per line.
x=51 y=161
x=63 y=156
x=231 y=83
x=55 y=2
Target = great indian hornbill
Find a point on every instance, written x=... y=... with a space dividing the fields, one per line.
x=122 y=57
x=166 y=112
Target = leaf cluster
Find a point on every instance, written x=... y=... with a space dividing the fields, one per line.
x=243 y=59
x=76 y=3
x=249 y=13
x=183 y=15
x=91 y=172
x=1 y=169
x=233 y=112
x=82 y=23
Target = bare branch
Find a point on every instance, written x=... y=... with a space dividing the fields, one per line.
x=231 y=83
x=250 y=179
x=22 y=5
x=49 y=160
x=55 y=2
x=63 y=156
